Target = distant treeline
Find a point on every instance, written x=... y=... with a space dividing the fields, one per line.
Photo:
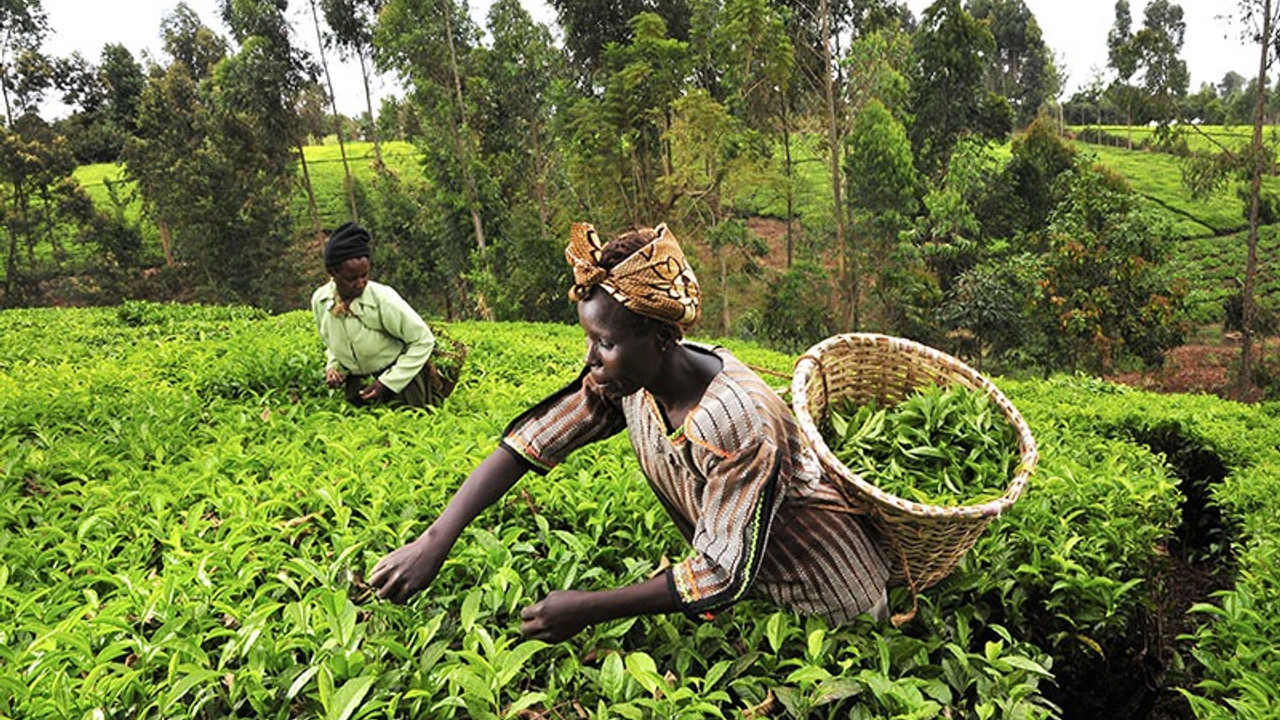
x=830 y=166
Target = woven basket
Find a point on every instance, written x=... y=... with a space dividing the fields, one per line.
x=925 y=541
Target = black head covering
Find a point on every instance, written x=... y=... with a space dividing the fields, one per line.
x=348 y=241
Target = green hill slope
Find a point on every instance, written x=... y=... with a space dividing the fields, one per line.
x=324 y=166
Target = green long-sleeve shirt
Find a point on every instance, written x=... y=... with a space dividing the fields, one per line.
x=380 y=329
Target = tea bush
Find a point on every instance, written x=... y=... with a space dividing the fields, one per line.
x=187 y=514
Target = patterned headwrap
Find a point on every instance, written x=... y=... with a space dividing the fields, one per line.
x=655 y=281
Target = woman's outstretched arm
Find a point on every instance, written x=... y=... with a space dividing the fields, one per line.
x=563 y=613
x=412 y=567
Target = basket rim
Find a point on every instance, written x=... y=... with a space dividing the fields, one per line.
x=810 y=363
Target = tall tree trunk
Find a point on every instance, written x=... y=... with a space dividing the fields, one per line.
x=668 y=164
x=724 y=292
x=22 y=210
x=4 y=84
x=373 y=119
x=1128 y=123
x=46 y=220
x=540 y=185
x=789 y=172
x=833 y=135
x=1244 y=382
x=473 y=200
x=311 y=193
x=10 y=265
x=347 y=181
x=166 y=242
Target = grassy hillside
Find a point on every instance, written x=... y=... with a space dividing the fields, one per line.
x=1157 y=177
x=1197 y=137
x=1214 y=268
x=324 y=165
x=1209 y=252
x=1210 y=233
x=188 y=515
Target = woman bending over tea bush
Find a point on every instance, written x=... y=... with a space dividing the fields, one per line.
x=718 y=445
x=376 y=346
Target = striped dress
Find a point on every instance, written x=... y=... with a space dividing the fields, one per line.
x=741 y=485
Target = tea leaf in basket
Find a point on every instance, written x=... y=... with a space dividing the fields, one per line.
x=939 y=446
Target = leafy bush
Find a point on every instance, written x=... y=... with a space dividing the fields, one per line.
x=793 y=318
x=1105 y=292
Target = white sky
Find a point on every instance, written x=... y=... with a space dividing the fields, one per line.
x=87 y=25
x=1074 y=29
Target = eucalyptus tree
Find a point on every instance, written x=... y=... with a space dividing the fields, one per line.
x=878 y=64
x=845 y=21
x=216 y=153
x=1206 y=172
x=23 y=25
x=523 y=72
x=123 y=78
x=1122 y=57
x=961 y=212
x=258 y=130
x=43 y=206
x=1039 y=156
x=1086 y=104
x=348 y=182
x=616 y=151
x=1158 y=44
x=591 y=26
x=166 y=157
x=716 y=160
x=1021 y=68
x=751 y=45
x=817 y=29
x=191 y=43
x=431 y=45
x=949 y=95
x=86 y=129
x=352 y=23
x=882 y=187
x=880 y=68
x=1204 y=106
x=40 y=202
x=1231 y=83
x=105 y=101
x=521 y=77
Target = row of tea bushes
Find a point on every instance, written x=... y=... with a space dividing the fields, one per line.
x=187 y=516
x=1228 y=458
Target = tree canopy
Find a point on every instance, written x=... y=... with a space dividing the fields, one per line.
x=845 y=144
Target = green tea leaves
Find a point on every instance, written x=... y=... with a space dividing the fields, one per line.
x=939 y=446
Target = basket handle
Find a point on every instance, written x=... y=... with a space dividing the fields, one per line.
x=822 y=372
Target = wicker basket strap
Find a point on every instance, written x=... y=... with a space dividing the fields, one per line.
x=900 y=619
x=847 y=510
x=766 y=371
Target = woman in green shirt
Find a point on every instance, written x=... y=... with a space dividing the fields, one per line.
x=376 y=345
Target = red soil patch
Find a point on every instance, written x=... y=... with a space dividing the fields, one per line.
x=1202 y=368
x=774 y=232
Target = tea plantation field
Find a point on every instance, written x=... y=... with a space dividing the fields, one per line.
x=188 y=514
